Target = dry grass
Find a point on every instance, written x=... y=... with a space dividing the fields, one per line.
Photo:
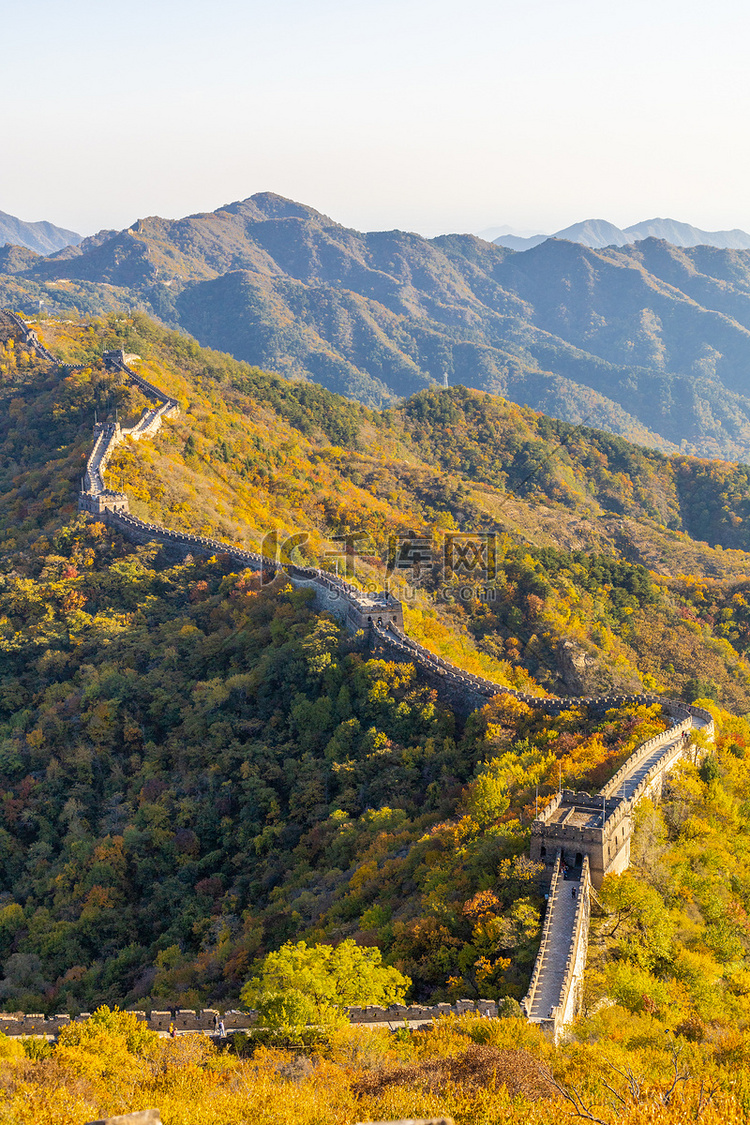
x=475 y=1068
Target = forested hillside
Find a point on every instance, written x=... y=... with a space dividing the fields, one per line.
x=649 y=341
x=195 y=767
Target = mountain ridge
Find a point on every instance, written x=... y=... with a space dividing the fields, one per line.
x=599 y=233
x=42 y=237
x=650 y=341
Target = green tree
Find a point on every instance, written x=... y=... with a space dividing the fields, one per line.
x=302 y=983
x=639 y=925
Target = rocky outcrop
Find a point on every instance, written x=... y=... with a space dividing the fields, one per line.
x=584 y=674
x=578 y=668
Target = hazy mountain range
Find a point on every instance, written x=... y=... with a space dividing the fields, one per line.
x=599 y=233
x=44 y=238
x=650 y=341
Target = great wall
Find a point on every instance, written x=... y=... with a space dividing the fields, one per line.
x=576 y=840
x=205 y=1020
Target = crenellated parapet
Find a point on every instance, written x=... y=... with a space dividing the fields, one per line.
x=205 y=1020
x=398 y=1014
x=577 y=826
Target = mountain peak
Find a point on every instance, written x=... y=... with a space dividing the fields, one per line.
x=595 y=233
x=268 y=205
x=683 y=234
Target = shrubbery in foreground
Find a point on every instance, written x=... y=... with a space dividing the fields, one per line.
x=619 y=1068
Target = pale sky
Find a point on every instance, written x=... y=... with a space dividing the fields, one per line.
x=429 y=116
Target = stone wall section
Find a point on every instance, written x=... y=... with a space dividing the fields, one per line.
x=354 y=608
x=478 y=690
x=27 y=336
x=94 y=496
x=205 y=1020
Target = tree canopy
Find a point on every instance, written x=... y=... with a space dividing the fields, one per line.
x=301 y=984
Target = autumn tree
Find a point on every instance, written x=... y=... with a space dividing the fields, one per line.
x=301 y=984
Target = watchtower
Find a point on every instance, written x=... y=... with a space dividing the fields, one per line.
x=580 y=825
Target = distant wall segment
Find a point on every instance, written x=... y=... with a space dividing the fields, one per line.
x=20 y=329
